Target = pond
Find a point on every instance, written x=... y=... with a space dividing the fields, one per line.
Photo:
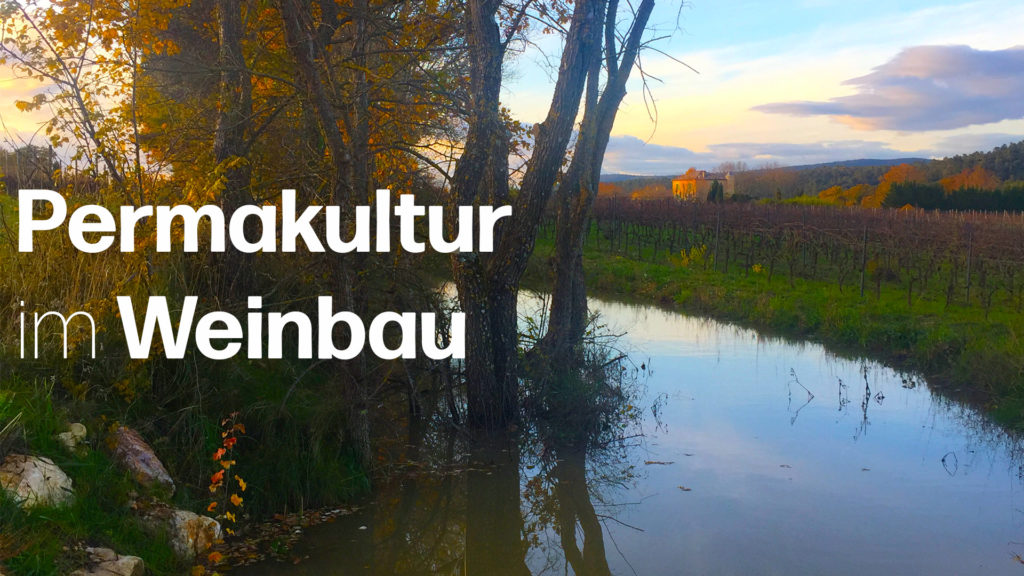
x=758 y=456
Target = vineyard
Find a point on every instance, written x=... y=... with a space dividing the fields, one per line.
x=958 y=259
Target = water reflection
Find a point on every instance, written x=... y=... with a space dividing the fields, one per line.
x=585 y=551
x=482 y=512
x=759 y=456
x=494 y=521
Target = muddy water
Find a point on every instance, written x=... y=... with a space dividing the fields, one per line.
x=758 y=457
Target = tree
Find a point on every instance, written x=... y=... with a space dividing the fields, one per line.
x=90 y=55
x=488 y=284
x=977 y=177
x=578 y=188
x=716 y=194
x=28 y=166
x=898 y=174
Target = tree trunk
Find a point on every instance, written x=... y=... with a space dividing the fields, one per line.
x=568 y=315
x=229 y=146
x=488 y=284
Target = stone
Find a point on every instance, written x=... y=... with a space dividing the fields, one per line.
x=133 y=454
x=74 y=438
x=190 y=534
x=106 y=562
x=35 y=481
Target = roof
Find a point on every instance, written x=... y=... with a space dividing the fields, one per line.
x=702 y=175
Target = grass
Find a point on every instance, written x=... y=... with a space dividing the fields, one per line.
x=294 y=455
x=50 y=541
x=964 y=352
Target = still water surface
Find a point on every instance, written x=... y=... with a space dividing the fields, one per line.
x=759 y=457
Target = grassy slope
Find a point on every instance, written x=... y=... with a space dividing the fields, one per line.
x=47 y=541
x=44 y=541
x=971 y=356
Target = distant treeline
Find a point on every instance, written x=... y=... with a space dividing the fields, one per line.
x=976 y=181
x=933 y=196
x=1005 y=162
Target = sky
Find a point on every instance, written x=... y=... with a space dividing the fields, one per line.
x=785 y=82
x=808 y=81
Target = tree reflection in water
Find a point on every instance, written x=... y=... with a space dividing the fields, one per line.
x=515 y=505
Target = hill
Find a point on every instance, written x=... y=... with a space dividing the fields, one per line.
x=1005 y=162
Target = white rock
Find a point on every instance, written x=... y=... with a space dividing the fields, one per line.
x=74 y=438
x=35 y=481
x=190 y=534
x=106 y=562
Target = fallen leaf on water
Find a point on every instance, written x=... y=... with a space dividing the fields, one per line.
x=685 y=489
x=784 y=466
x=658 y=462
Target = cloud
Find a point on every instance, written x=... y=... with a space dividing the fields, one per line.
x=967 y=143
x=630 y=155
x=793 y=154
x=927 y=88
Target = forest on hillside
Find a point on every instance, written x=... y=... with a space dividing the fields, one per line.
x=990 y=181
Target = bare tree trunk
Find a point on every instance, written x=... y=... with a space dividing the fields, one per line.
x=488 y=284
x=307 y=40
x=578 y=190
x=481 y=175
x=229 y=146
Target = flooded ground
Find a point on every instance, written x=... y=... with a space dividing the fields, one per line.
x=758 y=457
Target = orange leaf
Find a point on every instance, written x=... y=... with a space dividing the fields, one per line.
x=218 y=477
x=236 y=500
x=211 y=507
x=230 y=442
x=215 y=557
x=219 y=453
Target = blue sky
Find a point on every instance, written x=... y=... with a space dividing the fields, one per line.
x=813 y=81
x=791 y=83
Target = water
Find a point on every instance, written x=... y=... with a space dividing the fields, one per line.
x=754 y=460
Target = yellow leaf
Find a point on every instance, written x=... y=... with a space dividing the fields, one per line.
x=236 y=500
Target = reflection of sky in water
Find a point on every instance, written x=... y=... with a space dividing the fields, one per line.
x=821 y=493
x=777 y=484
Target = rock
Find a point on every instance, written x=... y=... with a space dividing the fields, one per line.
x=35 y=481
x=74 y=438
x=133 y=454
x=190 y=534
x=106 y=562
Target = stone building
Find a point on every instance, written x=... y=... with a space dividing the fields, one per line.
x=696 y=184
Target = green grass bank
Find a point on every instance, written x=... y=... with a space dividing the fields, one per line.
x=964 y=352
